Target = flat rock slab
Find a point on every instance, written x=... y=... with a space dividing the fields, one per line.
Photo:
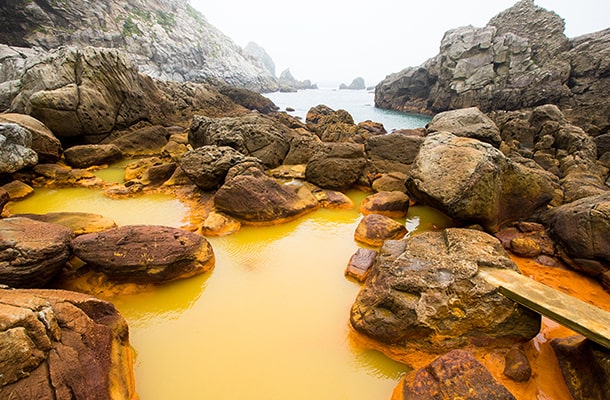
x=79 y=222
x=145 y=253
x=581 y=317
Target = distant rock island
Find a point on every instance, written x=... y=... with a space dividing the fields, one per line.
x=357 y=84
x=520 y=59
x=166 y=39
x=289 y=83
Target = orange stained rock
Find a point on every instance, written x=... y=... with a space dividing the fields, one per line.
x=546 y=383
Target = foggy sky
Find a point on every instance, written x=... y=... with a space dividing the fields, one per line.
x=335 y=41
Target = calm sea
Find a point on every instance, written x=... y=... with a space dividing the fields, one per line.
x=359 y=103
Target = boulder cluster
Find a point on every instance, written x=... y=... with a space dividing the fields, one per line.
x=529 y=176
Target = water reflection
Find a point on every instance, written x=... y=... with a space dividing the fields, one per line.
x=268 y=322
x=144 y=209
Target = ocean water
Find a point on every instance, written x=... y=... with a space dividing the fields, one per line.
x=359 y=103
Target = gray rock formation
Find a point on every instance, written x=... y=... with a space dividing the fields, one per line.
x=15 y=148
x=543 y=137
x=582 y=228
x=57 y=344
x=466 y=122
x=520 y=59
x=166 y=39
x=91 y=92
x=357 y=84
x=252 y=135
x=336 y=165
x=44 y=143
x=425 y=290
x=289 y=83
x=259 y=53
x=31 y=252
x=145 y=253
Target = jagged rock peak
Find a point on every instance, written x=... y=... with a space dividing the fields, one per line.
x=167 y=39
x=288 y=83
x=520 y=59
x=258 y=52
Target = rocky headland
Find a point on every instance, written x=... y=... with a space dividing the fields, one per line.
x=520 y=59
x=528 y=177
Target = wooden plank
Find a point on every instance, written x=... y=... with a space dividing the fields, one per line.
x=590 y=321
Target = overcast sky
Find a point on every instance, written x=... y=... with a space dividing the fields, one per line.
x=335 y=41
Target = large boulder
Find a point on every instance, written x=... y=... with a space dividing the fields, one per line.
x=56 y=344
x=44 y=142
x=467 y=122
x=15 y=148
x=145 y=253
x=255 y=198
x=581 y=228
x=336 y=165
x=207 y=166
x=472 y=181
x=31 y=252
x=335 y=126
x=455 y=375
x=253 y=135
x=426 y=290
x=395 y=151
x=88 y=91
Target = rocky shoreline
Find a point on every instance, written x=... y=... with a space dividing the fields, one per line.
x=529 y=179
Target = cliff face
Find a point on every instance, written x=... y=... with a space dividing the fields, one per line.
x=520 y=59
x=167 y=39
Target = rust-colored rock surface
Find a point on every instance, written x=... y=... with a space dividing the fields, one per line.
x=56 y=344
x=145 y=253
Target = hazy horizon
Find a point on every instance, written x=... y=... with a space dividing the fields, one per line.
x=335 y=42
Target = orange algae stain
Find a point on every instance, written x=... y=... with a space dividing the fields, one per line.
x=547 y=382
x=567 y=281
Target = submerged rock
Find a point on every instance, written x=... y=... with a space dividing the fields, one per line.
x=455 y=375
x=472 y=181
x=56 y=344
x=31 y=252
x=425 y=290
x=145 y=253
